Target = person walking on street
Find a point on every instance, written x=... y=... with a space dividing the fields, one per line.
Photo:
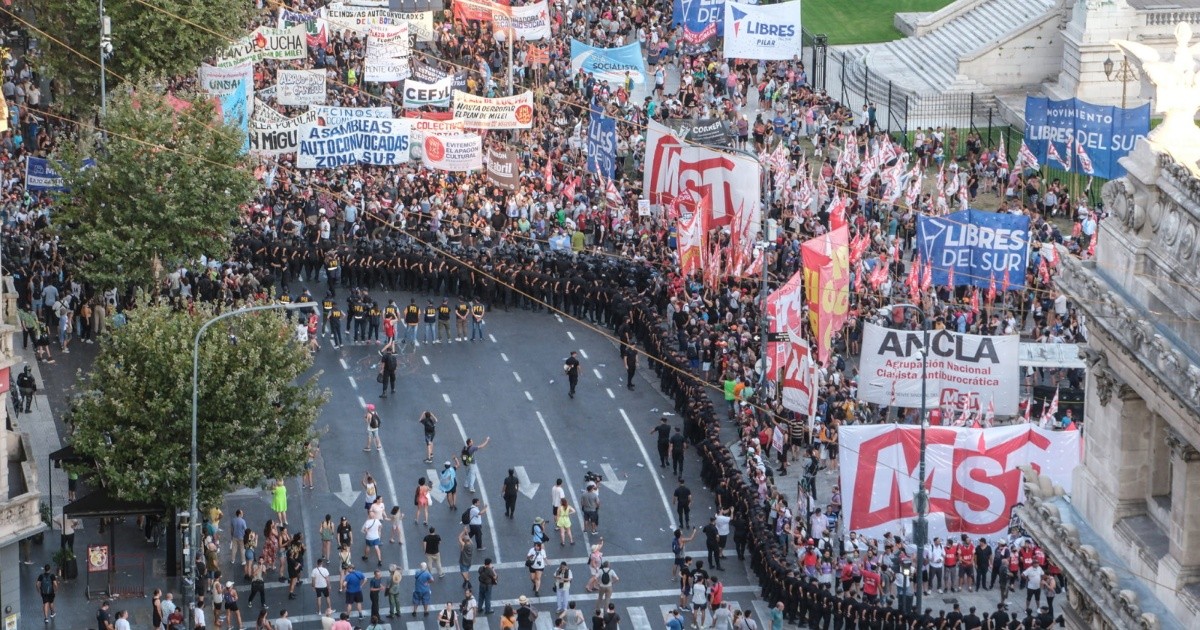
x=352 y=583
x=535 y=561
x=678 y=446
x=372 y=531
x=562 y=586
x=571 y=367
x=487 y=580
x=604 y=585
x=47 y=585
x=237 y=536
x=662 y=434
x=466 y=557
x=27 y=386
x=630 y=366
x=432 y=546
x=469 y=609
x=469 y=453
x=373 y=421
x=712 y=543
x=429 y=426
x=320 y=584
x=595 y=561
x=393 y=591
x=475 y=522
x=683 y=504
x=422 y=593
x=449 y=482
x=376 y=587
x=557 y=494
x=387 y=369
x=279 y=503
x=589 y=502
x=562 y=522
x=509 y=492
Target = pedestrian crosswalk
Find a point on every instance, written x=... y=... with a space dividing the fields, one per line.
x=634 y=617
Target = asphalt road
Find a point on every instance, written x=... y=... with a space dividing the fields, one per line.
x=510 y=388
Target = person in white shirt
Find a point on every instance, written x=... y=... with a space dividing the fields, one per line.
x=937 y=565
x=320 y=583
x=1033 y=584
x=283 y=623
x=372 y=530
x=123 y=620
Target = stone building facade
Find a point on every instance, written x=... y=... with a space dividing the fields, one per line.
x=1129 y=538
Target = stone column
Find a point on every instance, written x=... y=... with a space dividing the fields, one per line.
x=1185 y=500
x=1111 y=484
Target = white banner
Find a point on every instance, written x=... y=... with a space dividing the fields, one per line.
x=463 y=152
x=378 y=142
x=221 y=81
x=964 y=371
x=762 y=31
x=793 y=357
x=329 y=116
x=437 y=94
x=266 y=43
x=264 y=114
x=971 y=475
x=388 y=41
x=530 y=22
x=386 y=70
x=300 y=87
x=505 y=112
x=278 y=137
x=360 y=20
x=732 y=181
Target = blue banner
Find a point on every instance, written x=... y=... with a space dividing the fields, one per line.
x=236 y=112
x=609 y=64
x=1105 y=133
x=701 y=18
x=602 y=145
x=42 y=175
x=979 y=246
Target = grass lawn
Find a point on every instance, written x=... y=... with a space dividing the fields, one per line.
x=860 y=21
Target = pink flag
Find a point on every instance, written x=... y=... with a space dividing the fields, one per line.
x=1052 y=154
x=1026 y=158
x=1002 y=154
x=1085 y=161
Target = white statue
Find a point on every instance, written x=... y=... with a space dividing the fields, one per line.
x=1176 y=94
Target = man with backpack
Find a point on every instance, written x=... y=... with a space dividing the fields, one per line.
x=604 y=585
x=468 y=609
x=47 y=584
x=387 y=369
x=373 y=422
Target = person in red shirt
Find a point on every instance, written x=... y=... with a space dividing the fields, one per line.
x=870 y=584
x=951 y=571
x=966 y=564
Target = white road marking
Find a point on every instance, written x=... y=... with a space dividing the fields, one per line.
x=543 y=623
x=562 y=465
x=436 y=379
x=391 y=487
x=597 y=373
x=492 y=337
x=347 y=494
x=571 y=335
x=610 y=393
x=482 y=494
x=435 y=490
x=446 y=397
x=528 y=396
x=353 y=383
x=611 y=481
x=525 y=486
x=558 y=317
x=517 y=376
x=362 y=402
x=425 y=359
x=544 y=599
x=650 y=466
x=505 y=357
x=343 y=362
x=638 y=618
x=583 y=353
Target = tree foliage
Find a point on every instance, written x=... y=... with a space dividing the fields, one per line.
x=167 y=186
x=256 y=407
x=146 y=42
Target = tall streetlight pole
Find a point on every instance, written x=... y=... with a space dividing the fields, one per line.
x=105 y=51
x=1124 y=74
x=193 y=541
x=921 y=500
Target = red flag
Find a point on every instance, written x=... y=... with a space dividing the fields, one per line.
x=991 y=294
x=975 y=300
x=1004 y=285
x=548 y=175
x=950 y=278
x=858 y=278
x=1044 y=271
x=1028 y=409
x=837 y=213
x=927 y=277
x=913 y=281
x=982 y=446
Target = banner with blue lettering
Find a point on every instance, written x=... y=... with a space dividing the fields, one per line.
x=979 y=246
x=235 y=110
x=702 y=19
x=41 y=175
x=602 y=145
x=609 y=64
x=374 y=141
x=1084 y=135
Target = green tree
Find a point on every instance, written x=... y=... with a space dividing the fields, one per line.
x=146 y=42
x=256 y=407
x=166 y=187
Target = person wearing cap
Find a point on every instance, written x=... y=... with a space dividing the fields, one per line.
x=525 y=614
x=373 y=421
x=535 y=561
x=233 y=612
x=674 y=620
x=421 y=590
x=448 y=479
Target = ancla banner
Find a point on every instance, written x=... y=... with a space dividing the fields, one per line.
x=418 y=94
x=221 y=81
x=505 y=112
x=267 y=43
x=971 y=475
x=981 y=247
x=730 y=181
x=826 y=261
x=300 y=87
x=965 y=372
x=530 y=22
x=1083 y=135
x=378 y=142
x=609 y=64
x=762 y=31
x=462 y=152
x=790 y=357
x=503 y=169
